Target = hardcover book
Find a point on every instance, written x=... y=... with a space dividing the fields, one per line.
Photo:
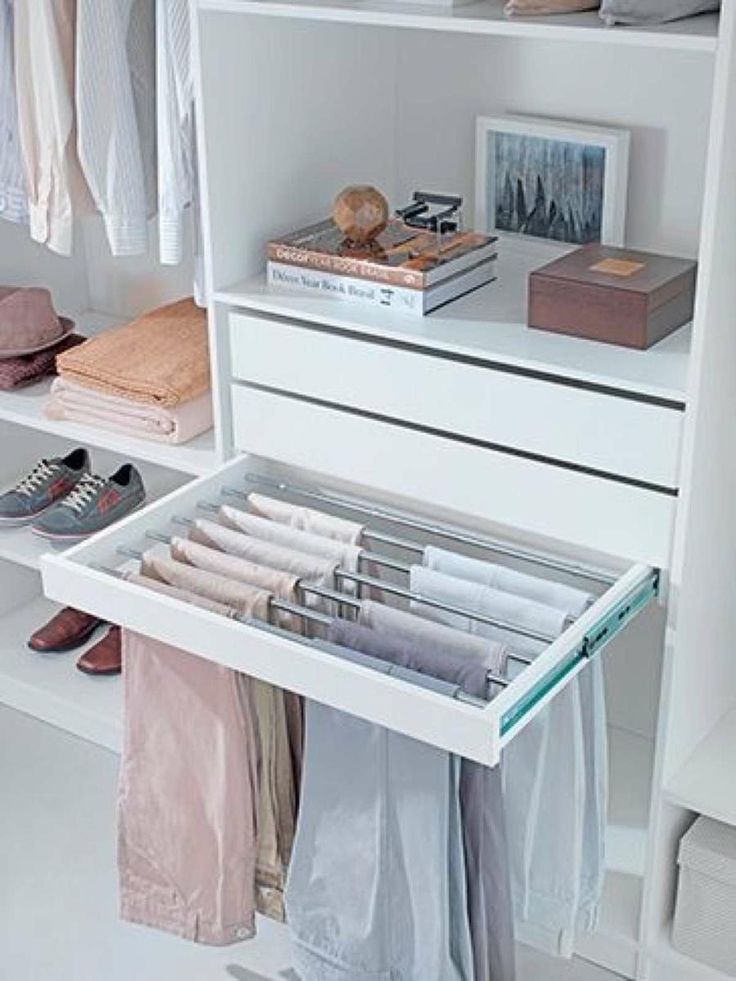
x=400 y=256
x=371 y=294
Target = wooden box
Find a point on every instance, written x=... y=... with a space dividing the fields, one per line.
x=619 y=296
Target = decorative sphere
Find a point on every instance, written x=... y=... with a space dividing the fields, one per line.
x=360 y=212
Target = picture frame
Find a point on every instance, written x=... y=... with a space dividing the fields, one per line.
x=551 y=179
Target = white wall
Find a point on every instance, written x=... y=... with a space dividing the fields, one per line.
x=444 y=83
x=24 y=263
x=91 y=278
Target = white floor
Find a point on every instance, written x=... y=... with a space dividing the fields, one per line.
x=58 y=918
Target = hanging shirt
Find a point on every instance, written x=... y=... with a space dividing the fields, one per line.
x=115 y=98
x=175 y=125
x=13 y=196
x=44 y=32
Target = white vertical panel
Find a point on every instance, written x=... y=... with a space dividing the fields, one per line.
x=292 y=111
x=699 y=683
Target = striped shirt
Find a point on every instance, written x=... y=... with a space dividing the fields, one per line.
x=13 y=196
x=115 y=101
x=175 y=125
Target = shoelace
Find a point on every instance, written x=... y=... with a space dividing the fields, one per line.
x=40 y=473
x=84 y=492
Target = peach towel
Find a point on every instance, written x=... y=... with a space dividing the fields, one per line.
x=162 y=357
x=163 y=424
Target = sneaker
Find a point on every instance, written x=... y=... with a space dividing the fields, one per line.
x=48 y=482
x=94 y=504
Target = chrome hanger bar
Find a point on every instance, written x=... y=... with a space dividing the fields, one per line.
x=283 y=606
x=373 y=557
x=444 y=531
x=381 y=560
x=406 y=674
x=389 y=587
x=323 y=591
x=407 y=594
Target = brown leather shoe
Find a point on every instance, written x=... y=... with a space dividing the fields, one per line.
x=105 y=657
x=68 y=629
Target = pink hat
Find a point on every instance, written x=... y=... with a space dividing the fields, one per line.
x=28 y=321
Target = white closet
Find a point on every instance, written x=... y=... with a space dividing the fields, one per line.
x=616 y=459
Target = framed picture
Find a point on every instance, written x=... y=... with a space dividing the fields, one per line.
x=553 y=180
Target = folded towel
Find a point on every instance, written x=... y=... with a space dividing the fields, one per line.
x=30 y=368
x=177 y=424
x=162 y=357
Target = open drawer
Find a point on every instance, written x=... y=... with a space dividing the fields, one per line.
x=81 y=577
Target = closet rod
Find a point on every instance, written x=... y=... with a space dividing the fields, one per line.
x=444 y=531
x=382 y=584
x=284 y=606
x=390 y=587
x=372 y=557
x=357 y=657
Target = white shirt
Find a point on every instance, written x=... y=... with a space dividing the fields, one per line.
x=175 y=126
x=44 y=67
x=115 y=101
x=13 y=196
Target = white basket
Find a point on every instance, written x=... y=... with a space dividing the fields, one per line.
x=705 y=915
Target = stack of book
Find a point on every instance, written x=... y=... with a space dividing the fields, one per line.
x=404 y=268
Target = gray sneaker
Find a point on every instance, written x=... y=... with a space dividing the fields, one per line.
x=46 y=485
x=94 y=504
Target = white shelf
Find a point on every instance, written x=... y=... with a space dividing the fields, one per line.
x=705 y=783
x=49 y=686
x=485 y=17
x=21 y=546
x=24 y=407
x=490 y=325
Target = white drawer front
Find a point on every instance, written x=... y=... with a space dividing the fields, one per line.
x=78 y=578
x=576 y=508
x=601 y=432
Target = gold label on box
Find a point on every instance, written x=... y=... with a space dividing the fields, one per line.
x=617 y=267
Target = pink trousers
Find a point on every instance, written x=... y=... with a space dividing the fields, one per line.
x=188 y=794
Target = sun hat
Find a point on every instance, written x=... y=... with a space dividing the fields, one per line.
x=28 y=321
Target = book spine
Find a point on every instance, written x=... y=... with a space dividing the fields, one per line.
x=351 y=289
x=346 y=266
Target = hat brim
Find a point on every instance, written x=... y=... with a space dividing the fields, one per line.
x=67 y=326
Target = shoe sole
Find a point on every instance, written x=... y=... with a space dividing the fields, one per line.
x=71 y=646
x=22 y=522
x=53 y=537
x=99 y=674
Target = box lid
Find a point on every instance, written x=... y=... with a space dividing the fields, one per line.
x=620 y=269
x=709 y=847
